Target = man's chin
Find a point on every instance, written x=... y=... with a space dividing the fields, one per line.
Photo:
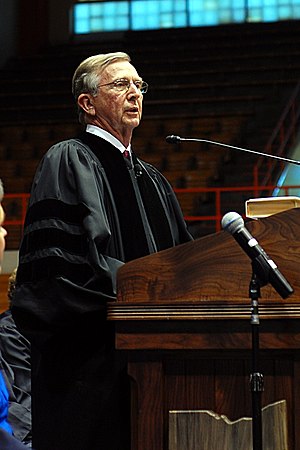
x=135 y=122
x=132 y=116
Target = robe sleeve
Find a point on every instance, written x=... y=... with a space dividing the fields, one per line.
x=68 y=262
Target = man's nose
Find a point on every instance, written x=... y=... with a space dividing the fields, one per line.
x=134 y=88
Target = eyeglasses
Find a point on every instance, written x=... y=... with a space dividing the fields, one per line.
x=123 y=84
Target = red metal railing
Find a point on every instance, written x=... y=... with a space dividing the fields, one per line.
x=281 y=140
x=19 y=217
x=218 y=206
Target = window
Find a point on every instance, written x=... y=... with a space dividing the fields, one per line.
x=158 y=14
x=92 y=17
x=100 y=16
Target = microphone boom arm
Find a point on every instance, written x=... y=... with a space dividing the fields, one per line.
x=176 y=139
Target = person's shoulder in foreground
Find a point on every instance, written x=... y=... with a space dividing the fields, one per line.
x=7 y=441
x=15 y=358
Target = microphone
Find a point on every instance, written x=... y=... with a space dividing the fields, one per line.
x=138 y=170
x=173 y=139
x=264 y=267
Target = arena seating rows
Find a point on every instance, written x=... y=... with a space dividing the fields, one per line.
x=226 y=84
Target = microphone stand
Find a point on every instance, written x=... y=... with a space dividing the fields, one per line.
x=256 y=378
x=264 y=271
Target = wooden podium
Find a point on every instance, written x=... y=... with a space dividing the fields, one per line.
x=183 y=317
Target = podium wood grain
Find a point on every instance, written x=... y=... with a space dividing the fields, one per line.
x=214 y=268
x=183 y=318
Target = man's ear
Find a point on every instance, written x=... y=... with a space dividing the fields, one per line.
x=85 y=101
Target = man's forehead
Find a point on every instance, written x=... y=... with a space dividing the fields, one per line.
x=119 y=67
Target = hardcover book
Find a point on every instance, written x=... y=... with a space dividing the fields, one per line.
x=257 y=208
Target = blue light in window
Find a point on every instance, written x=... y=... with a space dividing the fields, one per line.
x=237 y=4
x=284 y=12
x=139 y=24
x=239 y=15
x=225 y=16
x=227 y=4
x=270 y=14
x=81 y=19
x=296 y=12
x=95 y=9
x=159 y=14
x=81 y=12
x=180 y=20
x=150 y=14
x=210 y=4
x=122 y=23
x=165 y=6
x=196 y=19
x=109 y=23
x=195 y=6
x=81 y=26
x=211 y=18
x=107 y=8
x=166 y=20
x=254 y=3
x=255 y=15
x=106 y=16
x=153 y=21
x=180 y=5
x=122 y=8
x=96 y=24
x=149 y=7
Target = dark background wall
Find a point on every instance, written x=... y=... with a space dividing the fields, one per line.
x=8 y=29
x=26 y=26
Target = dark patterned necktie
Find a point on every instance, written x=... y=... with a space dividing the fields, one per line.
x=127 y=158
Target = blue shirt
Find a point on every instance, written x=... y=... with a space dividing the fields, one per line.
x=4 y=404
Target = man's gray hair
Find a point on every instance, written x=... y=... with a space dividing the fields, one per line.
x=86 y=76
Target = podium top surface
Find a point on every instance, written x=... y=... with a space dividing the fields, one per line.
x=214 y=269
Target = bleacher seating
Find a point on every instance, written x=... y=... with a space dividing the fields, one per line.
x=224 y=84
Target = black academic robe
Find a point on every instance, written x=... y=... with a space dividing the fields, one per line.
x=88 y=214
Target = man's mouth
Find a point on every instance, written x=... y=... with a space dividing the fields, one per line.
x=132 y=110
